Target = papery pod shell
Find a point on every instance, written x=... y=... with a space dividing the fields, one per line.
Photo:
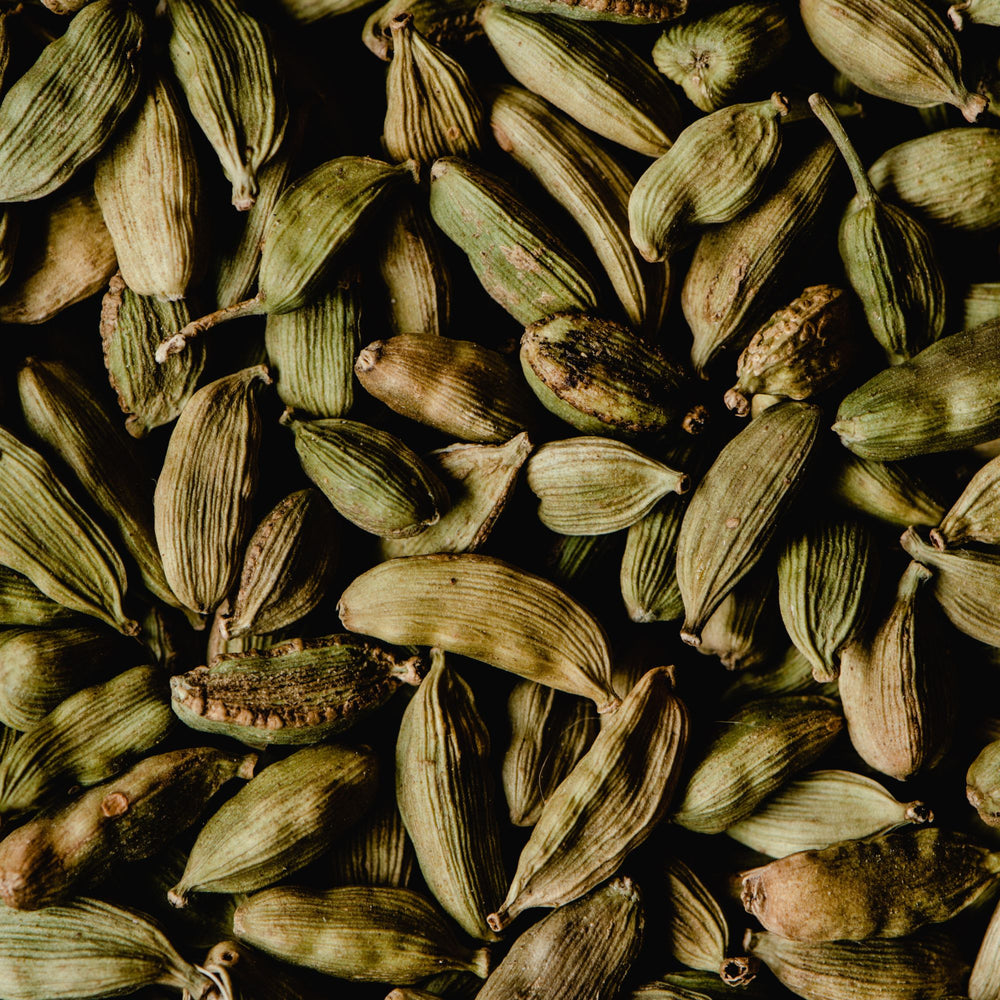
x=922 y=967
x=648 y=576
x=202 y=501
x=597 y=937
x=741 y=631
x=132 y=327
x=86 y=739
x=715 y=56
x=22 y=603
x=41 y=667
x=148 y=188
x=965 y=582
x=897 y=703
x=287 y=565
x=10 y=231
x=480 y=479
x=982 y=784
x=520 y=263
x=975 y=515
x=371 y=477
x=742 y=270
x=981 y=304
x=54 y=855
x=280 y=821
x=599 y=377
x=592 y=186
x=594 y=819
x=296 y=692
x=752 y=755
x=735 y=510
x=312 y=349
x=376 y=850
x=801 y=351
x=64 y=256
x=943 y=871
x=49 y=538
x=673 y=199
x=432 y=108
x=904 y=53
x=946 y=397
x=978 y=12
x=786 y=675
x=459 y=387
x=949 y=177
x=62 y=412
x=363 y=933
x=443 y=22
x=885 y=491
x=86 y=949
x=223 y=60
x=597 y=485
x=89 y=76
x=984 y=982
x=445 y=794
x=827 y=576
x=486 y=609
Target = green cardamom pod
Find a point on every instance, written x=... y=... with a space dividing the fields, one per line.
x=254 y=976
x=64 y=110
x=742 y=631
x=486 y=609
x=975 y=515
x=22 y=603
x=619 y=12
x=984 y=982
x=689 y=985
x=977 y=11
x=784 y=675
x=442 y=22
x=980 y=304
x=648 y=576
x=577 y=561
x=982 y=784
x=886 y=491
x=376 y=850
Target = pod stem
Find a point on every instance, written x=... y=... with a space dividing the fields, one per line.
x=177 y=343
x=823 y=110
x=918 y=812
x=739 y=970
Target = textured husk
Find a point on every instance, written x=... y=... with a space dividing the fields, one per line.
x=975 y=515
x=885 y=491
x=648 y=577
x=982 y=784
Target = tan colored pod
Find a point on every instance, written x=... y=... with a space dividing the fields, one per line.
x=489 y=610
x=444 y=22
x=982 y=784
x=975 y=515
x=984 y=982
x=981 y=303
x=246 y=973
x=593 y=819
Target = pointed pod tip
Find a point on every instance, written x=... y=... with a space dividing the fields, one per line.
x=973 y=106
x=690 y=636
x=499 y=920
x=177 y=899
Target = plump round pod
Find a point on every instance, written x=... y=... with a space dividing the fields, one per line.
x=982 y=784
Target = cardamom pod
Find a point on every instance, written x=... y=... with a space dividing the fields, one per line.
x=22 y=603
x=689 y=985
x=376 y=850
x=648 y=576
x=443 y=22
x=251 y=975
x=980 y=304
x=977 y=11
x=884 y=490
x=10 y=231
x=741 y=631
x=615 y=11
x=984 y=982
x=982 y=784
x=785 y=675
x=975 y=515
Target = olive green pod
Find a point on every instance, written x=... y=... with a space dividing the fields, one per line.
x=86 y=739
x=648 y=576
x=363 y=933
x=981 y=303
x=786 y=674
x=63 y=111
x=445 y=793
x=753 y=754
x=674 y=199
x=376 y=850
x=282 y=820
x=742 y=631
x=615 y=11
x=593 y=819
x=600 y=377
x=904 y=53
x=296 y=692
x=736 y=508
x=984 y=982
x=455 y=386
x=202 y=502
x=982 y=784
x=520 y=262
x=253 y=976
x=827 y=576
x=977 y=11
x=22 y=603
x=223 y=60
x=443 y=22
x=946 y=397
x=489 y=610
x=601 y=82
x=133 y=816
x=885 y=491
x=975 y=515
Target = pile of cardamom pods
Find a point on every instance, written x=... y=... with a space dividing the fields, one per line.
x=547 y=542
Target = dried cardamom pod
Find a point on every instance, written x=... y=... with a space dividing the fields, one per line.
x=363 y=933
x=593 y=819
x=753 y=754
x=977 y=11
x=223 y=61
x=455 y=386
x=432 y=108
x=984 y=982
x=6 y=47
x=589 y=184
x=22 y=603
x=296 y=692
x=741 y=631
x=10 y=231
x=549 y=733
x=574 y=561
x=886 y=491
x=736 y=508
x=715 y=56
x=975 y=515
x=254 y=976
x=131 y=329
x=597 y=485
x=801 y=351
x=479 y=479
x=784 y=675
x=445 y=792
x=619 y=12
x=981 y=303
x=601 y=82
x=443 y=22
x=480 y=607
x=519 y=261
x=944 y=398
x=904 y=54
x=896 y=699
x=371 y=477
x=673 y=200
x=54 y=855
x=376 y=850
x=280 y=821
x=202 y=501
x=827 y=575
x=689 y=985
x=822 y=808
x=63 y=111
x=648 y=576
x=982 y=784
